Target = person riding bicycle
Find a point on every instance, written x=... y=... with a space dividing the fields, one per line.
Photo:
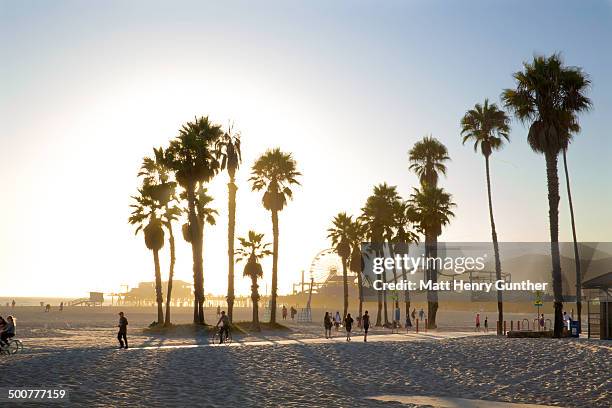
x=8 y=331
x=224 y=326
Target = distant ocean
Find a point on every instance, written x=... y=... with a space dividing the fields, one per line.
x=33 y=301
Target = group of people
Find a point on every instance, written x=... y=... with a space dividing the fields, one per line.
x=329 y=322
x=7 y=329
x=292 y=310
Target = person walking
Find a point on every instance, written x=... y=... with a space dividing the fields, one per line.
x=284 y=312
x=218 y=310
x=122 y=334
x=327 y=324
x=348 y=324
x=61 y=307
x=398 y=316
x=486 y=324
x=366 y=325
x=477 y=322
x=13 y=304
x=421 y=315
x=542 y=322
x=337 y=320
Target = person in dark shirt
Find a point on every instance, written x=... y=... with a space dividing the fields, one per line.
x=348 y=324
x=122 y=335
x=366 y=325
x=224 y=326
x=327 y=324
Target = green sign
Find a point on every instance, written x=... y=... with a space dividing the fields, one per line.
x=538 y=299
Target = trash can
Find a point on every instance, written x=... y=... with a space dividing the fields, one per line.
x=575 y=328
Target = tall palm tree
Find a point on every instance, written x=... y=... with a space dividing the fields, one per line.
x=274 y=172
x=356 y=236
x=157 y=175
x=340 y=237
x=193 y=159
x=549 y=96
x=404 y=217
x=145 y=218
x=377 y=215
x=488 y=126
x=432 y=208
x=229 y=150
x=427 y=159
x=253 y=250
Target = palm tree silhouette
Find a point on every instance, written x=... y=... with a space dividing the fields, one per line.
x=356 y=236
x=427 y=159
x=488 y=126
x=377 y=215
x=253 y=250
x=145 y=218
x=157 y=174
x=549 y=96
x=229 y=150
x=193 y=158
x=339 y=234
x=275 y=172
x=432 y=208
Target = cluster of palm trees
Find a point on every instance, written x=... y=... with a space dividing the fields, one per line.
x=173 y=187
x=390 y=223
x=548 y=97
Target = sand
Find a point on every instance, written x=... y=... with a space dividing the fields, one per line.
x=299 y=367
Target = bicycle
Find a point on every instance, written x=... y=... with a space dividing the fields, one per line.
x=215 y=337
x=14 y=346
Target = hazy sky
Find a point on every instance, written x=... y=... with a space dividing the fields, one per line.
x=86 y=90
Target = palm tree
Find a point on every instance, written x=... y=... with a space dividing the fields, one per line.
x=157 y=175
x=427 y=159
x=145 y=218
x=549 y=96
x=487 y=126
x=377 y=215
x=404 y=216
x=432 y=209
x=275 y=172
x=340 y=237
x=229 y=150
x=193 y=159
x=253 y=250
x=356 y=236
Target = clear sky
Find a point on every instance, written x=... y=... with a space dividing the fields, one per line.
x=86 y=90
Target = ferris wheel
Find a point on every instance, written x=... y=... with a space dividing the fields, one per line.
x=326 y=266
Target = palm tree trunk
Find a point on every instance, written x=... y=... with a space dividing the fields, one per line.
x=379 y=292
x=498 y=271
x=255 y=300
x=202 y=298
x=274 y=265
x=384 y=279
x=158 y=288
x=432 y=295
x=345 y=285
x=170 y=274
x=196 y=252
x=360 y=284
x=553 y=215
x=231 y=225
x=576 y=253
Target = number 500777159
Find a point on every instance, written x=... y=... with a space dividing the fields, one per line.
x=33 y=394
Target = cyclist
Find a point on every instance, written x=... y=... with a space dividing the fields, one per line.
x=224 y=326
x=8 y=331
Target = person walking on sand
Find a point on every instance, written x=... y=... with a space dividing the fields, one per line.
x=542 y=322
x=284 y=312
x=366 y=325
x=421 y=314
x=61 y=308
x=13 y=304
x=337 y=320
x=486 y=324
x=327 y=324
x=348 y=324
x=398 y=316
x=218 y=310
x=122 y=334
x=477 y=322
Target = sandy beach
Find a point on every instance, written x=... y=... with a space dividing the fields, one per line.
x=77 y=349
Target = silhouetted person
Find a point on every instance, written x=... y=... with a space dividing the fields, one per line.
x=486 y=324
x=218 y=310
x=284 y=312
x=223 y=324
x=478 y=322
x=348 y=324
x=61 y=306
x=122 y=334
x=366 y=325
x=327 y=324
x=48 y=308
x=13 y=304
x=8 y=331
